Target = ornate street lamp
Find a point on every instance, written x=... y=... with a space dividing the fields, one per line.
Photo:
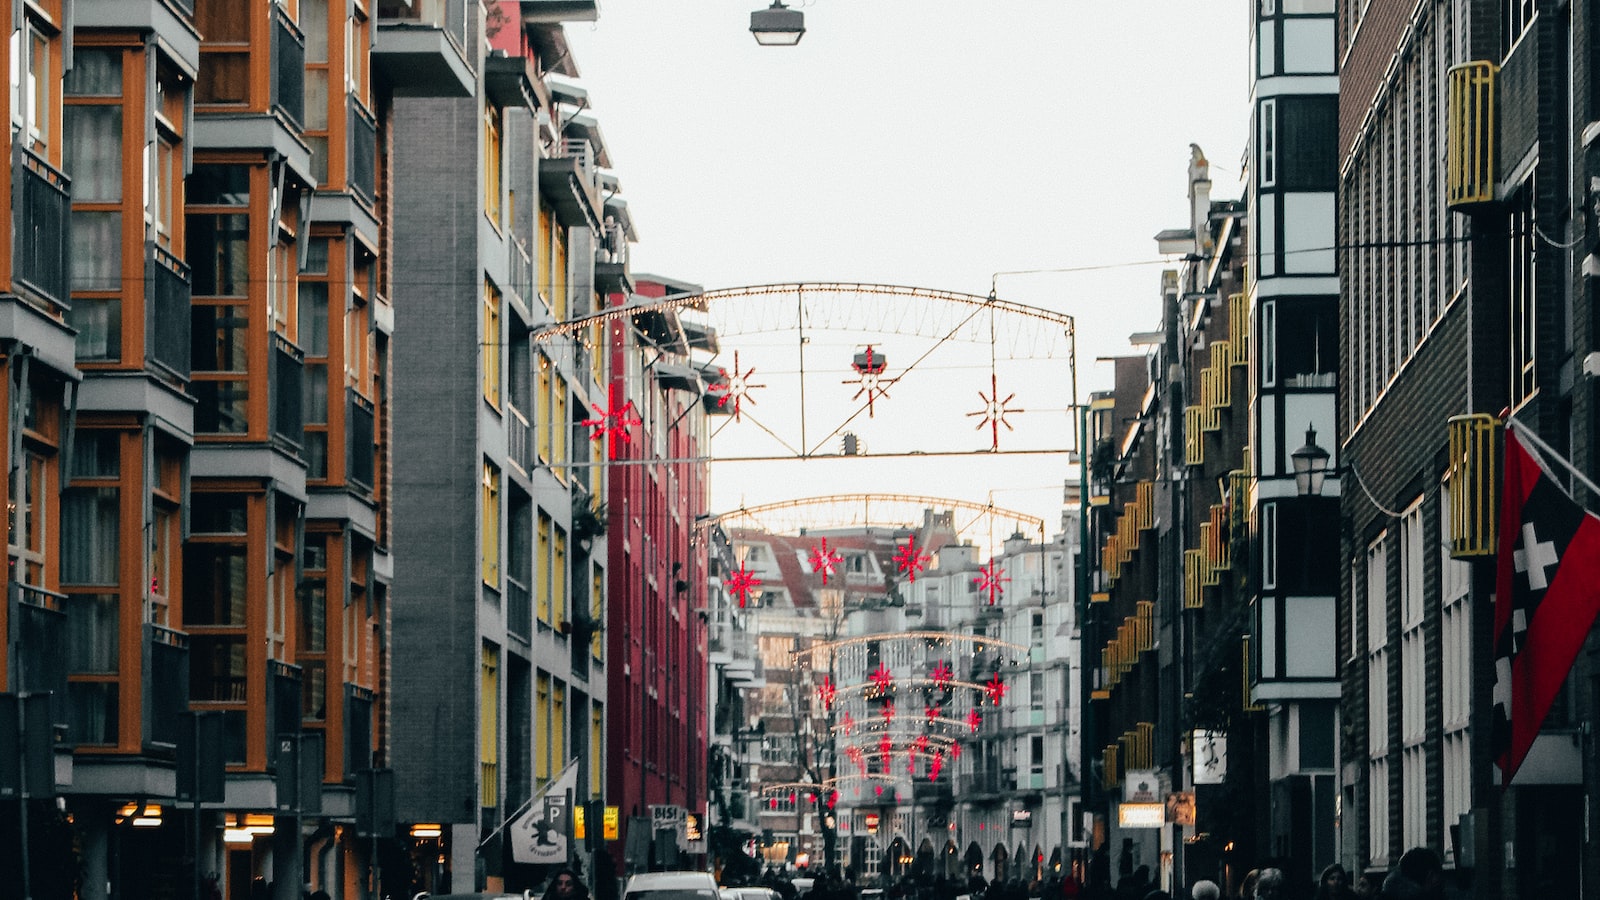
x=1310 y=466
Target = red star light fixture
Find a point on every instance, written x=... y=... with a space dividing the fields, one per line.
x=827 y=692
x=934 y=765
x=974 y=719
x=848 y=723
x=888 y=713
x=741 y=582
x=824 y=560
x=994 y=411
x=881 y=678
x=995 y=689
x=869 y=367
x=613 y=422
x=736 y=389
x=992 y=580
x=909 y=560
x=942 y=675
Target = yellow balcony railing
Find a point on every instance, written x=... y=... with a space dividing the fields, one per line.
x=1470 y=139
x=1194 y=439
x=1194 y=592
x=1111 y=775
x=1239 y=328
x=1474 y=484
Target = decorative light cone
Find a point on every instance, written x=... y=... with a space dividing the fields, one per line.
x=778 y=25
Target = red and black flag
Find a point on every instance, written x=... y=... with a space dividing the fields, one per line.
x=1547 y=592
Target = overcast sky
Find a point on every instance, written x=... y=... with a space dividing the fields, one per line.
x=926 y=143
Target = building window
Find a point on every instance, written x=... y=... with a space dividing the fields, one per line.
x=492 y=342
x=1521 y=261
x=489 y=532
x=1377 y=702
x=489 y=725
x=492 y=129
x=541 y=728
x=1455 y=652
x=1269 y=546
x=558 y=574
x=30 y=87
x=1268 y=151
x=542 y=577
x=1413 y=681
x=1515 y=17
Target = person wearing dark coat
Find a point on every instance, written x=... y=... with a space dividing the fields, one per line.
x=566 y=885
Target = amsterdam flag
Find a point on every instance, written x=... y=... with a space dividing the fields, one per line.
x=1547 y=591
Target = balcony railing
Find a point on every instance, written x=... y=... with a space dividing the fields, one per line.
x=521 y=270
x=43 y=208
x=167 y=693
x=40 y=634
x=166 y=312
x=580 y=150
x=519 y=608
x=447 y=15
x=283 y=705
x=287 y=421
x=1470 y=139
x=363 y=153
x=358 y=702
x=288 y=68
x=519 y=439
x=360 y=453
x=1473 y=482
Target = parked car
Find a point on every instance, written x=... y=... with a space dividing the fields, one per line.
x=802 y=885
x=671 y=886
x=750 y=893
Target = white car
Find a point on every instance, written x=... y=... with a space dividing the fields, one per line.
x=671 y=886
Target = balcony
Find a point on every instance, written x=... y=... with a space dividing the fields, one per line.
x=568 y=179
x=287 y=418
x=167 y=321
x=40 y=636
x=611 y=271
x=1470 y=136
x=519 y=608
x=283 y=705
x=521 y=266
x=288 y=68
x=519 y=439
x=418 y=48
x=1473 y=481
x=363 y=157
x=167 y=692
x=358 y=703
x=359 y=433
x=42 y=213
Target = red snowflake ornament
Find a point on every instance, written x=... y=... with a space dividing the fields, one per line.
x=735 y=388
x=955 y=751
x=869 y=368
x=613 y=422
x=942 y=675
x=909 y=560
x=992 y=580
x=741 y=582
x=888 y=713
x=994 y=412
x=881 y=677
x=995 y=689
x=886 y=745
x=827 y=692
x=974 y=719
x=849 y=723
x=934 y=766
x=824 y=560
x=932 y=715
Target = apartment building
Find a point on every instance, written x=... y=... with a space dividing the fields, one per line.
x=1464 y=140
x=499 y=556
x=652 y=424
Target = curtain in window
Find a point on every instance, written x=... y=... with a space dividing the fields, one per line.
x=94 y=152
x=92 y=626
x=96 y=250
x=89 y=536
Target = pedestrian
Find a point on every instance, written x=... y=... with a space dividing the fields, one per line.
x=1247 y=887
x=1270 y=885
x=566 y=885
x=1366 y=886
x=1205 y=889
x=1418 y=876
x=1334 y=884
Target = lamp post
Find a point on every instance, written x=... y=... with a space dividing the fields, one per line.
x=1310 y=466
x=778 y=25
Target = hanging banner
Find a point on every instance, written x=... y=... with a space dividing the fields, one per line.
x=541 y=834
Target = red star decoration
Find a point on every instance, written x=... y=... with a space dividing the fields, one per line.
x=974 y=719
x=888 y=713
x=941 y=675
x=996 y=689
x=911 y=765
x=992 y=581
x=886 y=745
x=741 y=582
x=934 y=766
x=824 y=560
x=920 y=745
x=909 y=560
x=878 y=789
x=833 y=797
x=955 y=751
x=736 y=388
x=827 y=692
x=881 y=677
x=849 y=723
x=871 y=379
x=994 y=411
x=932 y=715
x=613 y=422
